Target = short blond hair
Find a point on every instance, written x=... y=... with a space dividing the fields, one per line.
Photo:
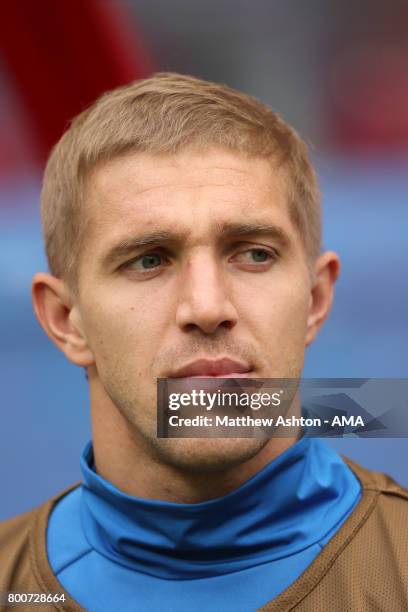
x=166 y=114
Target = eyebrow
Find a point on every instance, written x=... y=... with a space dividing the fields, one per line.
x=127 y=245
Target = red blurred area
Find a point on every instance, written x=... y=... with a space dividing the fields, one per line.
x=368 y=93
x=60 y=56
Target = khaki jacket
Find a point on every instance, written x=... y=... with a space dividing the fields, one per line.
x=363 y=568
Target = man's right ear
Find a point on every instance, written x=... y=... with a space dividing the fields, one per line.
x=59 y=318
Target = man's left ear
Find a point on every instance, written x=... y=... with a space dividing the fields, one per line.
x=327 y=269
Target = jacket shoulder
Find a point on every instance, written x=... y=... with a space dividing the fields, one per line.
x=18 y=537
x=16 y=528
x=378 y=482
x=364 y=567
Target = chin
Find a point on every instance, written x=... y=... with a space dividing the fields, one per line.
x=201 y=455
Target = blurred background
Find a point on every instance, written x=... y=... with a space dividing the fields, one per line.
x=337 y=71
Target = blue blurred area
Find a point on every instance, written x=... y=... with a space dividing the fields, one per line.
x=45 y=414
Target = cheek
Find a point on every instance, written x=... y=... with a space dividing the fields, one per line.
x=280 y=314
x=121 y=328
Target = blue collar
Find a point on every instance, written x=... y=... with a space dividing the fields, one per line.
x=291 y=504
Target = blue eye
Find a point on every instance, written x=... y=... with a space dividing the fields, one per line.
x=256 y=256
x=260 y=255
x=150 y=261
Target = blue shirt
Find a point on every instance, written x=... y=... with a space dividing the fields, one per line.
x=112 y=551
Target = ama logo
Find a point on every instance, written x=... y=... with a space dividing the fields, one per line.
x=344 y=421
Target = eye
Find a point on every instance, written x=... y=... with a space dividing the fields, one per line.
x=256 y=256
x=260 y=255
x=148 y=261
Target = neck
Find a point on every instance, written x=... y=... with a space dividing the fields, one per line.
x=124 y=458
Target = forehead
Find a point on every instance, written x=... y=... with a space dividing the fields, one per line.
x=191 y=190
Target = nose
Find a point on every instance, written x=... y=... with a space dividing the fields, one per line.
x=205 y=302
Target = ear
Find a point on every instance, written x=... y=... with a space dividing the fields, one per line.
x=60 y=318
x=326 y=269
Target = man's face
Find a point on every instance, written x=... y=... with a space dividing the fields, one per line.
x=224 y=276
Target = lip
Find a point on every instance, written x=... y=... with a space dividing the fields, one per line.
x=217 y=368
